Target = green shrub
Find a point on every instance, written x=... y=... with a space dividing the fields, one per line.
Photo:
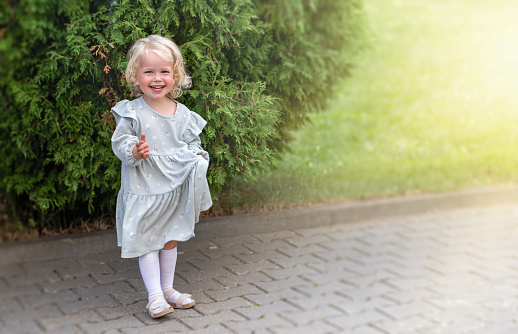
x=258 y=68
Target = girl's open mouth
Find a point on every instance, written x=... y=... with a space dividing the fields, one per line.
x=157 y=87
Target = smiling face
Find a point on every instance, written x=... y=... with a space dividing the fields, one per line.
x=154 y=76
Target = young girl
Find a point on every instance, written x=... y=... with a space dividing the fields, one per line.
x=163 y=174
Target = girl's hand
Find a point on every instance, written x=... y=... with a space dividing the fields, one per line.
x=141 y=149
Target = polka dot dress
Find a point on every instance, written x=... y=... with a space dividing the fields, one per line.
x=160 y=197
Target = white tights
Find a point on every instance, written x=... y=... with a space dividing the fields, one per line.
x=157 y=269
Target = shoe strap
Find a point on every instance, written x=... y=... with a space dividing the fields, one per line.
x=156 y=303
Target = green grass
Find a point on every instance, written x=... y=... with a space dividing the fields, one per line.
x=430 y=107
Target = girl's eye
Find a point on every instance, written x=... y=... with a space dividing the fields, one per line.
x=147 y=72
x=165 y=71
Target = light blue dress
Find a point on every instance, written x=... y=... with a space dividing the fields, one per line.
x=160 y=197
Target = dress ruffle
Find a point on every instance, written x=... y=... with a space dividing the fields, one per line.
x=194 y=127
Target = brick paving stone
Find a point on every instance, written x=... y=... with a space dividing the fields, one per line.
x=367 y=329
x=313 y=311
x=104 y=326
x=36 y=301
x=253 y=311
x=215 y=252
x=27 y=326
x=286 y=294
x=415 y=271
x=275 y=286
x=281 y=274
x=315 y=250
x=269 y=237
x=225 y=294
x=322 y=240
x=339 y=278
x=53 y=323
x=411 y=294
x=407 y=310
x=28 y=279
x=509 y=303
x=355 y=307
x=316 y=327
x=112 y=331
x=198 y=296
x=315 y=290
x=410 y=325
x=90 y=303
x=267 y=255
x=226 y=317
x=351 y=322
x=107 y=278
x=138 y=284
x=235 y=280
x=72 y=329
x=209 y=264
x=14 y=318
x=349 y=265
x=212 y=329
x=241 y=269
x=63 y=268
x=410 y=282
x=3 y=284
x=199 y=275
x=164 y=327
x=259 y=247
x=78 y=282
x=315 y=231
x=216 y=307
x=194 y=244
x=227 y=241
x=204 y=285
x=121 y=265
x=12 y=270
x=374 y=278
x=498 y=328
x=314 y=300
x=368 y=292
x=191 y=256
x=114 y=312
x=296 y=260
x=104 y=289
x=19 y=291
x=183 y=267
x=270 y=322
x=102 y=258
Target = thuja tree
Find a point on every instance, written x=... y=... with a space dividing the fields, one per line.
x=258 y=68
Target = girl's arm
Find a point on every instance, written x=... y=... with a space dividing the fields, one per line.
x=124 y=142
x=141 y=149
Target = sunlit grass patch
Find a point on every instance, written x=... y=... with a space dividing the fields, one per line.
x=431 y=107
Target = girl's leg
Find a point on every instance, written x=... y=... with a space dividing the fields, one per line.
x=168 y=257
x=150 y=270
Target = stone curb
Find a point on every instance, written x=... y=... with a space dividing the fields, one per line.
x=60 y=247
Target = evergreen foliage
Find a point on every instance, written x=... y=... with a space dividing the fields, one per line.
x=258 y=68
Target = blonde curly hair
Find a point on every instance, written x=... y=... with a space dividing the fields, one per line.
x=166 y=49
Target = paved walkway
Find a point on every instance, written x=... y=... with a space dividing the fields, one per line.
x=449 y=272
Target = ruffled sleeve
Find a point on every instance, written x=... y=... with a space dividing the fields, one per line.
x=191 y=135
x=125 y=137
